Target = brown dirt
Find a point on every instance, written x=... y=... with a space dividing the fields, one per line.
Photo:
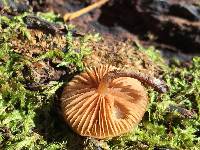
x=122 y=54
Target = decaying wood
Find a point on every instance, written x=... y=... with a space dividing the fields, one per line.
x=13 y=7
x=38 y=23
x=174 y=22
x=35 y=22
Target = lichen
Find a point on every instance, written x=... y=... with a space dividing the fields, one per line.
x=29 y=106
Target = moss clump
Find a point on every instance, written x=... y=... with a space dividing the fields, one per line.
x=172 y=119
x=28 y=108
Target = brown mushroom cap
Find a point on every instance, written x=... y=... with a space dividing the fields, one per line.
x=93 y=107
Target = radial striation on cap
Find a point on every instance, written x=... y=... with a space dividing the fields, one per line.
x=97 y=108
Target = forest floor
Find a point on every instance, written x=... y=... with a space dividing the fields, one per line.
x=40 y=53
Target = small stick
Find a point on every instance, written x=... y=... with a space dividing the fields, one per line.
x=35 y=22
x=70 y=16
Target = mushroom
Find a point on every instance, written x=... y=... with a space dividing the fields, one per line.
x=104 y=102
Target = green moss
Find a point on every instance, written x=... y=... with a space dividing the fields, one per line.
x=154 y=55
x=49 y=16
x=30 y=119
x=162 y=128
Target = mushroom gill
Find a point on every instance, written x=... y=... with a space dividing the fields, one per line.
x=103 y=103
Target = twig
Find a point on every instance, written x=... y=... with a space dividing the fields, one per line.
x=70 y=16
x=35 y=22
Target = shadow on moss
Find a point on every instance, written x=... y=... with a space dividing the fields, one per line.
x=50 y=124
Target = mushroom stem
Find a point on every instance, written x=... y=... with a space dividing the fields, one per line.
x=157 y=84
x=103 y=87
